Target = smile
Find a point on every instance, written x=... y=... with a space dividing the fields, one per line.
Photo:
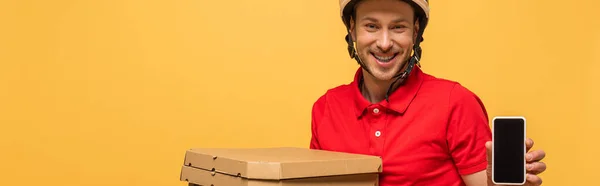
x=384 y=59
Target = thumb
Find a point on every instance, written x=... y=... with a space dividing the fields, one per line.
x=488 y=150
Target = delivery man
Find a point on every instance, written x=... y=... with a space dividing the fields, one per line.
x=428 y=131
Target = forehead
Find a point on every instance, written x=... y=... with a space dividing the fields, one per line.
x=383 y=8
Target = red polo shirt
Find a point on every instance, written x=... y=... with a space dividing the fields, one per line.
x=432 y=131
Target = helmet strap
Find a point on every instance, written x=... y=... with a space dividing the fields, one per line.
x=414 y=60
x=354 y=54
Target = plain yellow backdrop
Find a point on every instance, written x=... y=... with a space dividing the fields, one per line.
x=113 y=92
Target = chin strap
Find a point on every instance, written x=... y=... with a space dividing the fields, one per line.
x=401 y=77
x=353 y=53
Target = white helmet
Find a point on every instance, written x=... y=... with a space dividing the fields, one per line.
x=347 y=8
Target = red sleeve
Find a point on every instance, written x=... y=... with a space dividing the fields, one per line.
x=316 y=115
x=468 y=131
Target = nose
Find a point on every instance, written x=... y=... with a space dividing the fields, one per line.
x=385 y=43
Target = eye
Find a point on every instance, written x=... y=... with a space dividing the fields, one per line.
x=371 y=26
x=399 y=27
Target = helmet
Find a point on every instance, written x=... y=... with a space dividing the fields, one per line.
x=347 y=8
x=421 y=8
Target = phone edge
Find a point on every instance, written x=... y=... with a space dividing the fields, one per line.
x=524 y=148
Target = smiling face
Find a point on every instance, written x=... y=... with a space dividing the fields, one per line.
x=384 y=31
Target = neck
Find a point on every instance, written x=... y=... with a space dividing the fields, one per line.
x=375 y=90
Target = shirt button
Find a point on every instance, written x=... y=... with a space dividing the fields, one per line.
x=376 y=111
x=377 y=133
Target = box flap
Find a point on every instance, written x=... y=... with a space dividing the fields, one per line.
x=280 y=163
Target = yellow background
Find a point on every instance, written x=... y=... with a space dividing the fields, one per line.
x=113 y=92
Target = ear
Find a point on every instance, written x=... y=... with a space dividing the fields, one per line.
x=352 y=29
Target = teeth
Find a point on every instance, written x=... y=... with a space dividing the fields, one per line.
x=384 y=59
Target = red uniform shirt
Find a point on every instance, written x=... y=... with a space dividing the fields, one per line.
x=432 y=131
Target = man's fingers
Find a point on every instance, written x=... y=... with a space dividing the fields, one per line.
x=529 y=144
x=533 y=180
x=536 y=167
x=535 y=155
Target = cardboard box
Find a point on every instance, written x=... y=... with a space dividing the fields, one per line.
x=284 y=166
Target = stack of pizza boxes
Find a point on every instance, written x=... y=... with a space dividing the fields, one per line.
x=285 y=166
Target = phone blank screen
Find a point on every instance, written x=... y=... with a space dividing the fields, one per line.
x=509 y=150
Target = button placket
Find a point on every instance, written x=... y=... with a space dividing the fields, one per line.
x=376 y=119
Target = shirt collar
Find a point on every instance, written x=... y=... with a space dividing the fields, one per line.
x=400 y=99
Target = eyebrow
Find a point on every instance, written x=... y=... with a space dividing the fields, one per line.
x=375 y=20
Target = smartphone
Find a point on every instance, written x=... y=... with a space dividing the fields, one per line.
x=508 y=150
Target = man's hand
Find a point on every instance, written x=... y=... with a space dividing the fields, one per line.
x=534 y=165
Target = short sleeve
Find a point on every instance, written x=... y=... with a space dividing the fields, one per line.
x=316 y=115
x=468 y=131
